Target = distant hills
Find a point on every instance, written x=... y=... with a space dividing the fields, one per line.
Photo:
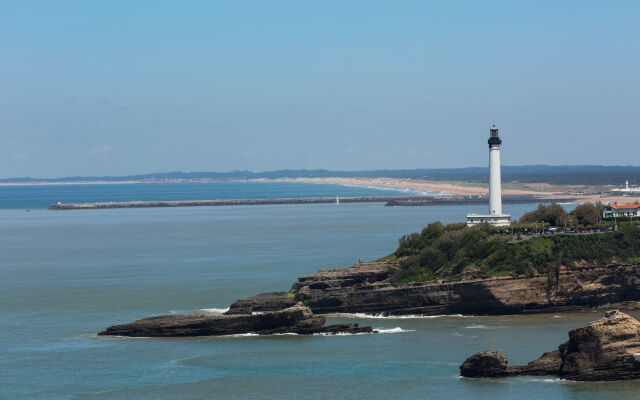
x=563 y=175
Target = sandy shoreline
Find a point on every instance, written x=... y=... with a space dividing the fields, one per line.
x=451 y=188
x=576 y=193
x=468 y=189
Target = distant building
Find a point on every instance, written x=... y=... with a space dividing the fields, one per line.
x=495 y=216
x=627 y=189
x=621 y=210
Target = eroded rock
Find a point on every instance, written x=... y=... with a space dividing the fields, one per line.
x=364 y=288
x=486 y=364
x=296 y=319
x=604 y=350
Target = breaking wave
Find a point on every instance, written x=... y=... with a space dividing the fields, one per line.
x=382 y=316
x=480 y=326
x=397 y=329
x=215 y=310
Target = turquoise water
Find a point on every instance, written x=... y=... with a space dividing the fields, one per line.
x=66 y=275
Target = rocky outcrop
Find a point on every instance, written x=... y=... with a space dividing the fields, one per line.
x=296 y=319
x=548 y=363
x=365 y=288
x=607 y=349
x=486 y=364
x=262 y=303
x=604 y=350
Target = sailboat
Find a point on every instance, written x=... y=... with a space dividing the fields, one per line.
x=337 y=200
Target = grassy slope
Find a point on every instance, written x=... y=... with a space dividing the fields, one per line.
x=447 y=250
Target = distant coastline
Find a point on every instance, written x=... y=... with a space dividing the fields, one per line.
x=62 y=183
x=415 y=187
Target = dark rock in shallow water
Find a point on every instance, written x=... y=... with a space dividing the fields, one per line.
x=296 y=319
x=605 y=350
x=486 y=364
x=339 y=329
x=548 y=363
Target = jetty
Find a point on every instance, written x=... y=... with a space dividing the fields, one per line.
x=220 y=202
x=388 y=200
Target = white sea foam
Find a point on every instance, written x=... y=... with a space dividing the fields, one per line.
x=481 y=326
x=477 y=326
x=382 y=316
x=341 y=334
x=544 y=380
x=375 y=330
x=215 y=310
x=118 y=337
x=397 y=329
x=243 y=335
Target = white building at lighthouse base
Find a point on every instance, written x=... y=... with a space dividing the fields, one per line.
x=493 y=219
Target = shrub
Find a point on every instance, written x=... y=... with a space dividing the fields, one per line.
x=438 y=251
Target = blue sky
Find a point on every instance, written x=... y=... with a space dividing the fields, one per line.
x=123 y=87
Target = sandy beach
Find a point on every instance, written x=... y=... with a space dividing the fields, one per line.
x=578 y=194
x=444 y=187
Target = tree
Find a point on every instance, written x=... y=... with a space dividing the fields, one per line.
x=553 y=214
x=587 y=214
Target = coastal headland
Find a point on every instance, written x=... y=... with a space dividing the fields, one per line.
x=365 y=288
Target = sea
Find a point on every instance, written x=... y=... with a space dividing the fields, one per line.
x=66 y=275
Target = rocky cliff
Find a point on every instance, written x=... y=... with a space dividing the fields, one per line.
x=604 y=350
x=365 y=288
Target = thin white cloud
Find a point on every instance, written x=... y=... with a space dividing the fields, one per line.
x=101 y=150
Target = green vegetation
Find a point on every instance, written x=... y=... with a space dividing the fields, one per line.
x=291 y=294
x=447 y=251
x=584 y=216
x=390 y=258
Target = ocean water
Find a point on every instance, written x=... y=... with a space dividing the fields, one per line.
x=42 y=196
x=66 y=275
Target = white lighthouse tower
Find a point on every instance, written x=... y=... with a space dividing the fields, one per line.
x=495 y=216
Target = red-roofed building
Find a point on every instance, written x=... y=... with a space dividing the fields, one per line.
x=621 y=210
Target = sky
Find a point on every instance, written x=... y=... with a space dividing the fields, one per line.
x=127 y=87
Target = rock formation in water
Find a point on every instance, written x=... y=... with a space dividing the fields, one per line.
x=295 y=319
x=604 y=350
x=365 y=288
x=486 y=364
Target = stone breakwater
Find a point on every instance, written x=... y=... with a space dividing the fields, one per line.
x=474 y=200
x=604 y=350
x=365 y=288
x=389 y=200
x=222 y=202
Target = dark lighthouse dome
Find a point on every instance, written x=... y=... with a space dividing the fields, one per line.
x=494 y=139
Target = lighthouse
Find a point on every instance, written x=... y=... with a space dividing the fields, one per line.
x=495 y=216
x=495 y=187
